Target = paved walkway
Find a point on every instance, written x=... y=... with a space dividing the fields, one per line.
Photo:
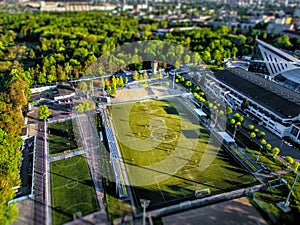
x=90 y=140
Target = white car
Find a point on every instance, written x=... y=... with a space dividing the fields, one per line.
x=288 y=143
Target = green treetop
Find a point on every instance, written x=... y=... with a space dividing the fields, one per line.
x=44 y=112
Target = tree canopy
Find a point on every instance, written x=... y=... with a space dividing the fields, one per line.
x=10 y=155
x=44 y=112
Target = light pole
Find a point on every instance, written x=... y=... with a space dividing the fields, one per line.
x=260 y=147
x=144 y=203
x=284 y=206
x=287 y=202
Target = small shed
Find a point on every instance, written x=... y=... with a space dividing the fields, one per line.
x=200 y=113
x=226 y=138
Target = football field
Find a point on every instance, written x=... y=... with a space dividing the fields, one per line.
x=72 y=190
x=169 y=155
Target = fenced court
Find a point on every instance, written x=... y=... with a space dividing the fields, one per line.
x=169 y=156
x=72 y=190
x=62 y=137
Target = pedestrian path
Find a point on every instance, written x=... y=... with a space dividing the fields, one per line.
x=71 y=154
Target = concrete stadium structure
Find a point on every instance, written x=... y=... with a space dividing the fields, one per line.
x=271 y=105
x=276 y=64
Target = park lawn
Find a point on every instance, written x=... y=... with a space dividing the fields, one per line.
x=72 y=189
x=61 y=137
x=169 y=155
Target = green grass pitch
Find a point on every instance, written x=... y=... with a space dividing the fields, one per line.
x=72 y=189
x=61 y=137
x=168 y=154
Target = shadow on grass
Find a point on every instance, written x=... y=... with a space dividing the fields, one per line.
x=87 y=182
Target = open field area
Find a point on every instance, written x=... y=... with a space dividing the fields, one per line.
x=169 y=155
x=61 y=137
x=72 y=190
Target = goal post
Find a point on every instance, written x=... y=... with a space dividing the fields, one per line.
x=202 y=192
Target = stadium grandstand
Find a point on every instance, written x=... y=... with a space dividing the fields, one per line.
x=276 y=65
x=114 y=155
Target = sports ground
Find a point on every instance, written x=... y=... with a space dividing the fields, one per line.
x=61 y=137
x=72 y=190
x=169 y=155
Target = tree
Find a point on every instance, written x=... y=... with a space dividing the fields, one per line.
x=145 y=75
x=275 y=151
x=236 y=125
x=289 y=160
x=85 y=106
x=83 y=87
x=245 y=104
x=43 y=112
x=268 y=147
x=283 y=42
x=135 y=75
x=232 y=121
x=295 y=166
x=114 y=83
x=188 y=83
x=263 y=141
x=234 y=51
x=217 y=55
x=252 y=135
x=250 y=127
x=186 y=59
x=261 y=134
x=206 y=56
x=228 y=110
x=121 y=82
x=9 y=161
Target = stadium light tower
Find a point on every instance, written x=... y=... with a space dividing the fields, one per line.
x=144 y=203
x=284 y=206
x=287 y=202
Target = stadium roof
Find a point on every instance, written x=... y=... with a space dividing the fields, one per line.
x=293 y=75
x=271 y=96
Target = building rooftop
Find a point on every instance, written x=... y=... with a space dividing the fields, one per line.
x=293 y=75
x=273 y=97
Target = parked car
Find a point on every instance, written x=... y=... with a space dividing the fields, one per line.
x=288 y=143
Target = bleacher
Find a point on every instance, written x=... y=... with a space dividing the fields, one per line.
x=243 y=158
x=114 y=156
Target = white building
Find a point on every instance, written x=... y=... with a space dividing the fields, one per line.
x=271 y=105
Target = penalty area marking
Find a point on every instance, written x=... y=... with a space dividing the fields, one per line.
x=68 y=164
x=68 y=210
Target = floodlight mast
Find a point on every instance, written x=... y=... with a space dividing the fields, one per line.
x=287 y=202
x=144 y=203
